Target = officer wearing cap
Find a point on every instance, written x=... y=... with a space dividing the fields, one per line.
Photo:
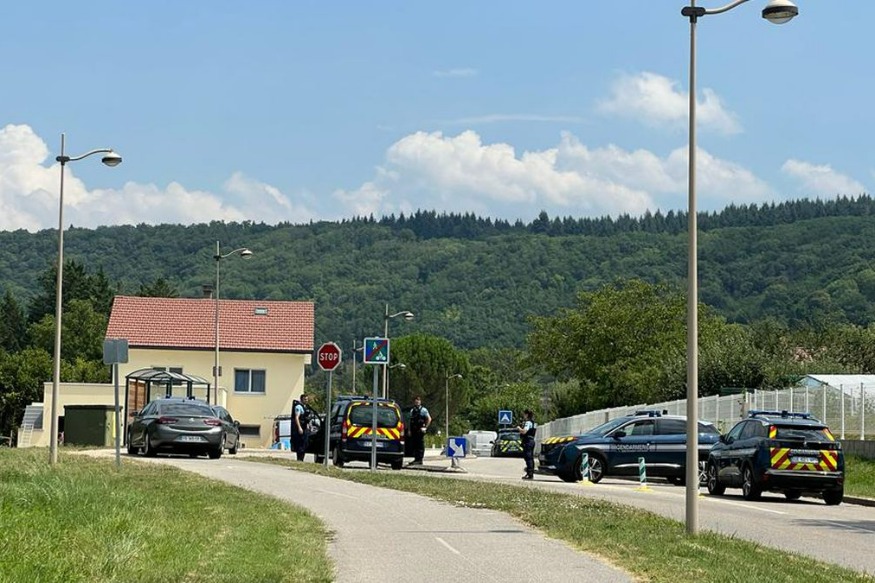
x=527 y=433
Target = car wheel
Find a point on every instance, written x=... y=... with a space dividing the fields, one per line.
x=715 y=488
x=132 y=449
x=792 y=494
x=677 y=480
x=750 y=490
x=233 y=450
x=337 y=457
x=397 y=464
x=834 y=497
x=596 y=468
x=216 y=453
x=148 y=450
x=703 y=473
x=320 y=459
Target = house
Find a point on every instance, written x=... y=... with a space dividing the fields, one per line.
x=263 y=349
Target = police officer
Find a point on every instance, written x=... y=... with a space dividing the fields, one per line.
x=301 y=426
x=417 y=426
x=527 y=432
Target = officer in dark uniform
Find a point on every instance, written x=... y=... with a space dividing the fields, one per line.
x=417 y=425
x=527 y=433
x=301 y=426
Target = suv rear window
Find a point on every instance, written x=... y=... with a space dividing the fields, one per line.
x=801 y=433
x=186 y=409
x=362 y=414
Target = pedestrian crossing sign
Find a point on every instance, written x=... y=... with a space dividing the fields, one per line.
x=505 y=417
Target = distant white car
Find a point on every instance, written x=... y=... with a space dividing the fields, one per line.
x=480 y=442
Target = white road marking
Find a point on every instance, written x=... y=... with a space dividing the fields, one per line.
x=750 y=506
x=446 y=544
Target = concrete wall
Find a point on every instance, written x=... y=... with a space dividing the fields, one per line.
x=863 y=449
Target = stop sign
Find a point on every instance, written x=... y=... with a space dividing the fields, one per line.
x=328 y=356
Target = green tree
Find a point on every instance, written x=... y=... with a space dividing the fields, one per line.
x=625 y=343
x=13 y=324
x=160 y=288
x=516 y=397
x=82 y=332
x=21 y=382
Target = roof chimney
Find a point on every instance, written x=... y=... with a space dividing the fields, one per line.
x=207 y=290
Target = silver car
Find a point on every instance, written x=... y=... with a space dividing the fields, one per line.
x=188 y=426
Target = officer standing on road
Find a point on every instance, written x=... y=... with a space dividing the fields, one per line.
x=301 y=426
x=527 y=432
x=418 y=425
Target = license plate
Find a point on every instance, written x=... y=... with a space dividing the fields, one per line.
x=194 y=438
x=367 y=443
x=805 y=460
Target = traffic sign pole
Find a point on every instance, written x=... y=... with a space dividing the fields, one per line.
x=374 y=426
x=328 y=358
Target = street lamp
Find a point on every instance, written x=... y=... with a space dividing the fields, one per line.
x=245 y=254
x=111 y=159
x=407 y=315
x=778 y=12
x=355 y=362
x=447 y=401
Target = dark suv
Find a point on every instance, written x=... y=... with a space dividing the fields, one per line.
x=614 y=448
x=351 y=426
x=778 y=451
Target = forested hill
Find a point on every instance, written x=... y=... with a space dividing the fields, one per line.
x=475 y=280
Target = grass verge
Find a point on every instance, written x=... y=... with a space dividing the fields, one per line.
x=649 y=546
x=83 y=520
x=859 y=477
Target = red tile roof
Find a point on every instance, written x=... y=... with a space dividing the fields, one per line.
x=189 y=323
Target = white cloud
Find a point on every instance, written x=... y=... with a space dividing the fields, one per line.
x=460 y=72
x=657 y=101
x=821 y=180
x=29 y=195
x=462 y=174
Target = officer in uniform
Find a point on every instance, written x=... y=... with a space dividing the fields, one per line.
x=417 y=426
x=301 y=426
x=527 y=432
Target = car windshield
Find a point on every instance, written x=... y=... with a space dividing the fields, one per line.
x=190 y=409
x=509 y=436
x=606 y=428
x=362 y=414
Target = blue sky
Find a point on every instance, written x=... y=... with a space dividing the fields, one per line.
x=296 y=111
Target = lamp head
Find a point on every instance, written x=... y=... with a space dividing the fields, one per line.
x=780 y=11
x=111 y=159
x=246 y=254
x=408 y=316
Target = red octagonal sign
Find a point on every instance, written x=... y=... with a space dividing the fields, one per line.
x=328 y=356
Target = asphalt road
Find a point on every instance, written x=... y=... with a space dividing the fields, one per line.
x=385 y=535
x=842 y=534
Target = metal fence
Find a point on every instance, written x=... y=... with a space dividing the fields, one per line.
x=844 y=408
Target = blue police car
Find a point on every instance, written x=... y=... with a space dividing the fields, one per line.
x=614 y=448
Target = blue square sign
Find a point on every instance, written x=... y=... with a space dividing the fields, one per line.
x=505 y=417
x=376 y=351
x=456 y=447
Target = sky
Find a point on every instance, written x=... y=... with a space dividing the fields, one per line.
x=299 y=111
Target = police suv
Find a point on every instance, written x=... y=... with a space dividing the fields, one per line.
x=614 y=448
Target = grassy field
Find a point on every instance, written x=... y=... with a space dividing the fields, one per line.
x=85 y=521
x=648 y=546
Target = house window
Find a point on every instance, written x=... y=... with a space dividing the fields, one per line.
x=249 y=380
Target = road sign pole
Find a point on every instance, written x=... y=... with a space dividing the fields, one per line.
x=325 y=423
x=374 y=426
x=116 y=419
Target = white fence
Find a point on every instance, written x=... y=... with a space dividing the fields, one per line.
x=844 y=408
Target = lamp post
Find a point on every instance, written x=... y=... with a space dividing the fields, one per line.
x=355 y=362
x=447 y=401
x=778 y=12
x=111 y=159
x=407 y=315
x=245 y=254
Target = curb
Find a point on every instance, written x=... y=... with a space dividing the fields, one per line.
x=859 y=501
